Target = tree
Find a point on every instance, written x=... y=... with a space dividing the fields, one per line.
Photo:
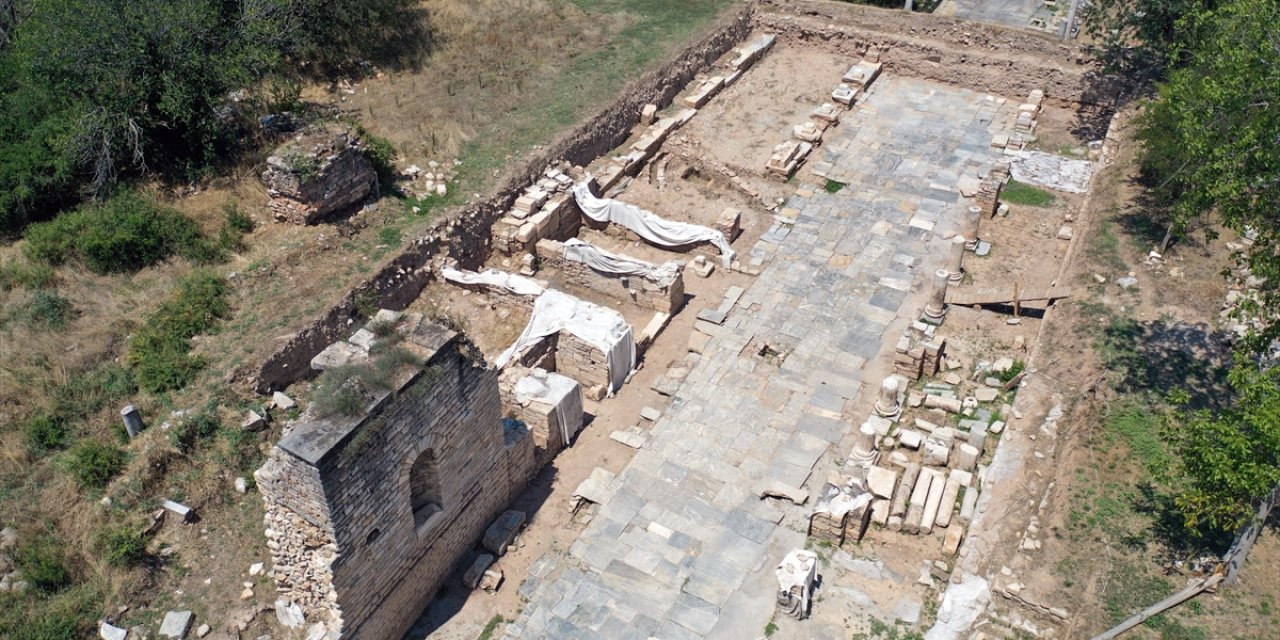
x=1230 y=459
x=96 y=91
x=1143 y=38
x=1212 y=141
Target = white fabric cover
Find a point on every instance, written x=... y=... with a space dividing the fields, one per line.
x=647 y=225
x=516 y=284
x=562 y=392
x=798 y=569
x=602 y=328
x=1055 y=172
x=605 y=262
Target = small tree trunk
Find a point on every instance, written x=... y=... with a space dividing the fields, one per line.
x=1168 y=236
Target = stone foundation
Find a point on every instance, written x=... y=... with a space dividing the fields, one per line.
x=320 y=173
x=661 y=294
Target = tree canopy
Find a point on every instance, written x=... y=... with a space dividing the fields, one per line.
x=1211 y=150
x=95 y=90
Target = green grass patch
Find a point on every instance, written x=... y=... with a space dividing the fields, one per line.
x=15 y=274
x=652 y=28
x=1024 y=194
x=44 y=311
x=159 y=352
x=1140 y=428
x=490 y=627
x=1103 y=248
x=833 y=186
x=122 y=234
x=94 y=463
x=123 y=546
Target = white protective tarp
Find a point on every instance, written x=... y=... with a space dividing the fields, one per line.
x=561 y=392
x=647 y=225
x=1055 y=172
x=608 y=263
x=516 y=284
x=962 y=603
x=604 y=329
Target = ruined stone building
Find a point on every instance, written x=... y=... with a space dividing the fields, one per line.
x=368 y=515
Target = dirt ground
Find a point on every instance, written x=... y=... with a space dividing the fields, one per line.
x=740 y=128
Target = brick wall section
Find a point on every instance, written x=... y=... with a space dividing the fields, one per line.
x=352 y=495
x=666 y=297
x=540 y=418
x=582 y=362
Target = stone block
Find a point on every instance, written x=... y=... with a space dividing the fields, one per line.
x=882 y=481
x=176 y=624
x=648 y=113
x=502 y=531
x=472 y=577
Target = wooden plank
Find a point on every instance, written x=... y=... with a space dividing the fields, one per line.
x=986 y=296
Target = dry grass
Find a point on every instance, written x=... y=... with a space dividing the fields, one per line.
x=494 y=56
x=504 y=76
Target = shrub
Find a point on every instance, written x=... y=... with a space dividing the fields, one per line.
x=45 y=311
x=45 y=433
x=380 y=152
x=195 y=429
x=94 y=463
x=123 y=546
x=159 y=352
x=44 y=566
x=28 y=275
x=123 y=234
x=90 y=391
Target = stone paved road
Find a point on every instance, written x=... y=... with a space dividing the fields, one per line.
x=684 y=548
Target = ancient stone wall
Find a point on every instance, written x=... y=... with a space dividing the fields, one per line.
x=370 y=514
x=467 y=236
x=583 y=362
x=320 y=173
x=665 y=295
x=1003 y=61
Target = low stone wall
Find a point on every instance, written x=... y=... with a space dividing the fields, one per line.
x=467 y=237
x=583 y=362
x=666 y=296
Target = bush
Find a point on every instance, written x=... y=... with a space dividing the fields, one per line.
x=159 y=352
x=94 y=463
x=126 y=233
x=123 y=546
x=44 y=311
x=27 y=275
x=195 y=429
x=45 y=433
x=91 y=391
x=44 y=566
x=380 y=153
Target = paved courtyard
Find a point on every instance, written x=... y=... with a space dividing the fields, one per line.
x=684 y=548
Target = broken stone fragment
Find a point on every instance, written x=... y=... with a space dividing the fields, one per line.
x=289 y=614
x=475 y=573
x=253 y=421
x=282 y=402
x=108 y=631
x=176 y=624
x=503 y=531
